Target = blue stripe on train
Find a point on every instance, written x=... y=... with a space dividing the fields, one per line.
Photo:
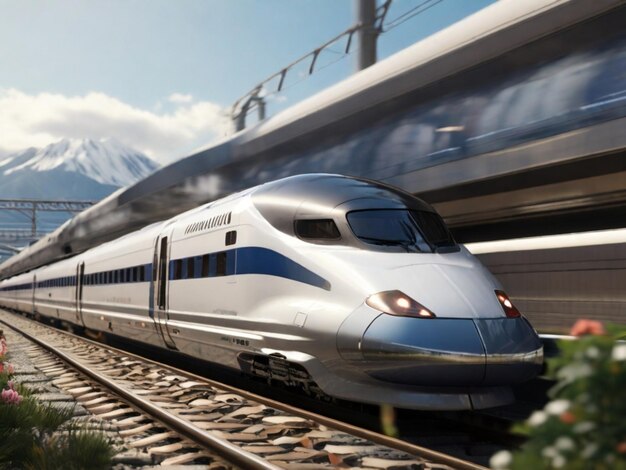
x=248 y=260
x=256 y=260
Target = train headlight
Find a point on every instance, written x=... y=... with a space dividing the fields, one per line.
x=398 y=303
x=509 y=309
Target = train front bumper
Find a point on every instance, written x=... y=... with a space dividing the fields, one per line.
x=448 y=352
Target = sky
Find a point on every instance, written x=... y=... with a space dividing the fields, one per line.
x=161 y=75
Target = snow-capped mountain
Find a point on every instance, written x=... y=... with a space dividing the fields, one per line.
x=106 y=161
x=86 y=170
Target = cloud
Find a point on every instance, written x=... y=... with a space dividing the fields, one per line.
x=179 y=98
x=37 y=120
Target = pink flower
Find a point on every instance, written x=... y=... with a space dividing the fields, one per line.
x=10 y=369
x=587 y=327
x=568 y=417
x=3 y=347
x=11 y=397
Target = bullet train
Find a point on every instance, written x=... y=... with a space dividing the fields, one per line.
x=345 y=287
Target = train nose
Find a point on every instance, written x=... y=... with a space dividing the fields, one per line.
x=449 y=351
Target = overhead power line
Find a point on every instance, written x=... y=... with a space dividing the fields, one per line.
x=255 y=99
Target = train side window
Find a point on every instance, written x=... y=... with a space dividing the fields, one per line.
x=231 y=237
x=178 y=269
x=212 y=264
x=230 y=262
x=319 y=229
x=205 y=266
x=221 y=264
x=190 y=268
x=197 y=261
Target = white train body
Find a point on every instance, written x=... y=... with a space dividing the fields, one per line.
x=281 y=281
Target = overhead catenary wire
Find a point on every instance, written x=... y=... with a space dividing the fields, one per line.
x=257 y=96
x=409 y=14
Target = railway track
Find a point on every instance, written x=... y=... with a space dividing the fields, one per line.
x=178 y=418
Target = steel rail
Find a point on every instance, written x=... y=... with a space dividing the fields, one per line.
x=398 y=444
x=225 y=449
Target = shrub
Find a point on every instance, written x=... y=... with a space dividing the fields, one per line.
x=36 y=436
x=584 y=424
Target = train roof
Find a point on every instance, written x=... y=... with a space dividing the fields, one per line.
x=327 y=191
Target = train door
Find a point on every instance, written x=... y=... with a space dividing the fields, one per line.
x=34 y=310
x=80 y=277
x=159 y=289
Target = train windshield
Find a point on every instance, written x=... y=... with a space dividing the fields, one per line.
x=410 y=230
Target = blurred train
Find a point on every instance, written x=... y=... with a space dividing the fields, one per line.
x=342 y=286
